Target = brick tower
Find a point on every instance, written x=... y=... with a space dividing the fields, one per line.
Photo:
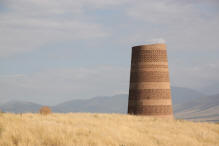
x=149 y=91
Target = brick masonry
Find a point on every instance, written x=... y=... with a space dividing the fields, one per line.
x=149 y=92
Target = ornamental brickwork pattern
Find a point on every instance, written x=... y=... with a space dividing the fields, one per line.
x=149 y=92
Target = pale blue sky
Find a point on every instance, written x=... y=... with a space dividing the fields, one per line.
x=52 y=51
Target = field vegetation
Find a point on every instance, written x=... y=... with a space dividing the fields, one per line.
x=103 y=130
x=45 y=110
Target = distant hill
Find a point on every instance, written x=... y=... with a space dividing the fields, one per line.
x=203 y=109
x=187 y=104
x=181 y=95
x=20 y=107
x=212 y=89
x=114 y=104
x=119 y=103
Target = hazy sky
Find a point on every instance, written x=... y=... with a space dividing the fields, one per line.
x=55 y=50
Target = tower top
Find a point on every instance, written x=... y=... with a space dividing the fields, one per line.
x=159 y=46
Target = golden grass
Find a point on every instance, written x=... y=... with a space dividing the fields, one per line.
x=103 y=130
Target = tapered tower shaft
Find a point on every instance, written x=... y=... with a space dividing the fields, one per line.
x=149 y=91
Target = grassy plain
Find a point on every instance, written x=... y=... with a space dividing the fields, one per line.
x=83 y=129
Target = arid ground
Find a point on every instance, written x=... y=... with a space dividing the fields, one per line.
x=81 y=129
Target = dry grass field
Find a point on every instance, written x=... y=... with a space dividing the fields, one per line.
x=103 y=130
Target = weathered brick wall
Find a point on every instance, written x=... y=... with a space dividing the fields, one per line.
x=149 y=92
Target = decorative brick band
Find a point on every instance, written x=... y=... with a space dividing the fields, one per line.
x=151 y=110
x=150 y=85
x=136 y=66
x=150 y=69
x=149 y=94
x=149 y=76
x=149 y=63
x=150 y=102
x=149 y=56
x=148 y=53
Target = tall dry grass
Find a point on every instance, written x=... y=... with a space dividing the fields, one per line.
x=103 y=130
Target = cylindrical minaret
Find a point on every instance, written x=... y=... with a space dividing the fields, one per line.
x=149 y=91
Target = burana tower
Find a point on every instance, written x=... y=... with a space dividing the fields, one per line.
x=149 y=91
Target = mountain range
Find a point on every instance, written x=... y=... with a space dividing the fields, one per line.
x=187 y=104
